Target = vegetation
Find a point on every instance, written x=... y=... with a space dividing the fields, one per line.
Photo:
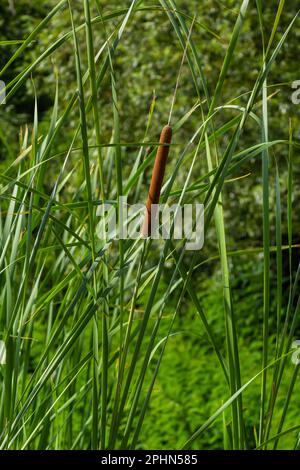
x=140 y=343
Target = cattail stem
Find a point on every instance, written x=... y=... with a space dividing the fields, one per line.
x=157 y=178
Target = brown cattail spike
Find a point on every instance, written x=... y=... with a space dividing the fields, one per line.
x=157 y=177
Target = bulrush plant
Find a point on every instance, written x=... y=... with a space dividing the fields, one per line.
x=87 y=323
x=162 y=156
x=157 y=179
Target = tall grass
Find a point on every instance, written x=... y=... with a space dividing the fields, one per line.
x=88 y=380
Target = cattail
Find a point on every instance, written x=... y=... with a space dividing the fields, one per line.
x=157 y=178
x=162 y=155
